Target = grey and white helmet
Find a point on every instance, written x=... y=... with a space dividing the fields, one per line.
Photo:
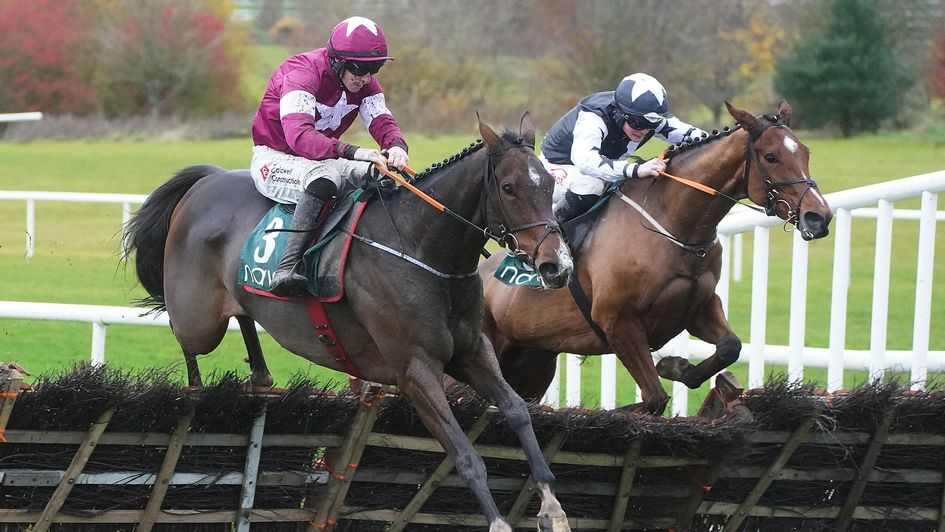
x=641 y=101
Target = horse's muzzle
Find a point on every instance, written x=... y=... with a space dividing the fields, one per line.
x=813 y=225
x=555 y=274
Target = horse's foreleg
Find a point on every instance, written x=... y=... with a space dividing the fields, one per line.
x=259 y=377
x=710 y=326
x=482 y=373
x=193 y=371
x=422 y=385
x=632 y=348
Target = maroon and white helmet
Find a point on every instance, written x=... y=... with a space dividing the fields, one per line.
x=358 y=39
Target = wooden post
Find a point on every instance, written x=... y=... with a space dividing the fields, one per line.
x=699 y=490
x=622 y=497
x=12 y=380
x=72 y=472
x=863 y=472
x=409 y=511
x=251 y=471
x=174 y=447
x=528 y=489
x=772 y=471
x=345 y=461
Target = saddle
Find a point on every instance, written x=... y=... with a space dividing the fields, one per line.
x=575 y=230
x=322 y=263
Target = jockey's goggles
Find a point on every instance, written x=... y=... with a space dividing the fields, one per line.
x=647 y=121
x=363 y=68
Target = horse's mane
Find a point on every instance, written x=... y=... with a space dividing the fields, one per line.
x=509 y=136
x=691 y=144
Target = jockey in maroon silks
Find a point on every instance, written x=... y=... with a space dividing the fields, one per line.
x=310 y=101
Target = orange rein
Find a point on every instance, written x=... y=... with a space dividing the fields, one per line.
x=698 y=186
x=406 y=184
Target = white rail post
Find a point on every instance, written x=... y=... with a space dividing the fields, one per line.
x=725 y=276
x=608 y=381
x=798 y=310
x=553 y=393
x=923 y=291
x=738 y=251
x=680 y=390
x=759 y=308
x=838 y=298
x=880 y=312
x=572 y=387
x=30 y=227
x=98 y=343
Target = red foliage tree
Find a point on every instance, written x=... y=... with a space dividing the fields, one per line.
x=937 y=74
x=169 y=56
x=44 y=46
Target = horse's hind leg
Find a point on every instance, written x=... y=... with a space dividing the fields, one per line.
x=710 y=326
x=259 y=377
x=528 y=370
x=422 y=385
x=482 y=373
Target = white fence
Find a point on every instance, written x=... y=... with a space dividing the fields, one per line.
x=874 y=201
x=31 y=197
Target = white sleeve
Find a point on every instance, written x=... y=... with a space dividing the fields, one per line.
x=589 y=133
x=675 y=131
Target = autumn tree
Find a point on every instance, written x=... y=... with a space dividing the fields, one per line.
x=46 y=51
x=168 y=56
x=937 y=72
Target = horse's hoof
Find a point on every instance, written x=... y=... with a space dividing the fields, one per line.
x=499 y=525
x=673 y=368
x=553 y=524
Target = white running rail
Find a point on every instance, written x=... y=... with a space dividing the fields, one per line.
x=873 y=201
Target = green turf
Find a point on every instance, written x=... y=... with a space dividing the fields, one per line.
x=77 y=251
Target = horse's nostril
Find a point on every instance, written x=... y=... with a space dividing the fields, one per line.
x=548 y=270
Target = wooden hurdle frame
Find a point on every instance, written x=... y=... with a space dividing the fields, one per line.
x=339 y=471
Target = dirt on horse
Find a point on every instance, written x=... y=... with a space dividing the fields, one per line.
x=650 y=265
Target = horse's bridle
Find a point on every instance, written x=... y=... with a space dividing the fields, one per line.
x=503 y=234
x=772 y=195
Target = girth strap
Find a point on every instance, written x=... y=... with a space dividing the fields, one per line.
x=584 y=305
x=326 y=334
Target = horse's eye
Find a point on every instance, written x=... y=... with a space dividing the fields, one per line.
x=771 y=158
x=508 y=189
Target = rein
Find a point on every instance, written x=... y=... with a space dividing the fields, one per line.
x=772 y=196
x=502 y=235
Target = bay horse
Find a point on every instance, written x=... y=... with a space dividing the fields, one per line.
x=649 y=272
x=402 y=322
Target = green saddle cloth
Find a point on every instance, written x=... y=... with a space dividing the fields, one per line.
x=514 y=272
x=323 y=262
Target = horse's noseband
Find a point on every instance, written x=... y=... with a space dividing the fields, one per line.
x=772 y=195
x=505 y=235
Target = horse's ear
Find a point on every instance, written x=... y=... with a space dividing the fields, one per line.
x=784 y=111
x=527 y=129
x=746 y=119
x=488 y=135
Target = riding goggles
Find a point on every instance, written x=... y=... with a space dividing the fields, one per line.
x=647 y=121
x=363 y=68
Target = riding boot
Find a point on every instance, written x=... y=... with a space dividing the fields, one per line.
x=573 y=205
x=286 y=281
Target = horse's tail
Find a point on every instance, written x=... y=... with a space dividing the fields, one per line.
x=146 y=232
